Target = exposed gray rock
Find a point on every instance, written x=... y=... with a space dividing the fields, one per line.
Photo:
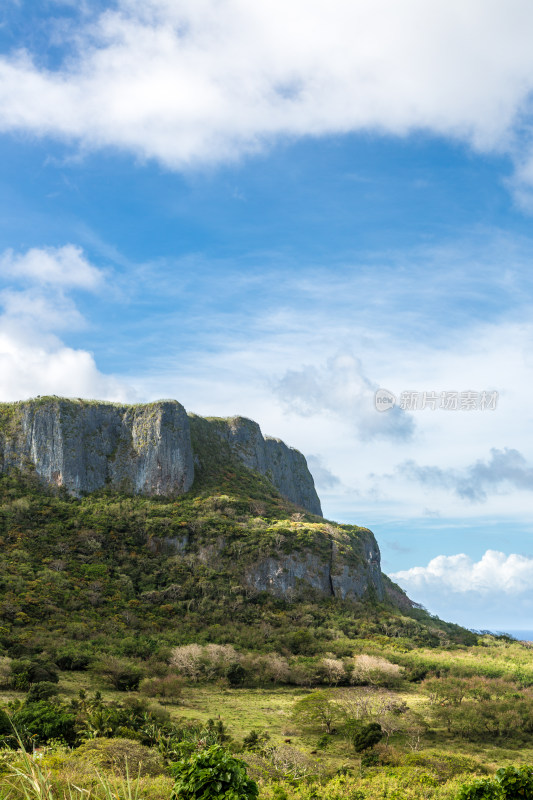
x=351 y=571
x=287 y=576
x=355 y=565
x=171 y=545
x=145 y=449
x=284 y=466
x=86 y=446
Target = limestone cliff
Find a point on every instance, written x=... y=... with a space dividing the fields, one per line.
x=346 y=566
x=157 y=449
x=284 y=466
x=86 y=446
x=146 y=449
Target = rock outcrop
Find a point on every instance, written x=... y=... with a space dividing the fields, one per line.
x=146 y=449
x=350 y=571
x=156 y=449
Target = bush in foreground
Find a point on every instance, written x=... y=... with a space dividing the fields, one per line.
x=212 y=774
x=510 y=783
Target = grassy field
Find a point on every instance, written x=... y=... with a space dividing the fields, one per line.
x=297 y=760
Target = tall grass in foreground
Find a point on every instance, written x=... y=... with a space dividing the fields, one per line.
x=28 y=781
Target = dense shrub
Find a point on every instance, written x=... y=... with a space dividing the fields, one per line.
x=6 y=728
x=212 y=774
x=41 y=721
x=167 y=688
x=72 y=660
x=5 y=673
x=236 y=674
x=119 y=673
x=42 y=690
x=510 y=783
x=367 y=736
x=267 y=668
x=117 y=755
x=25 y=672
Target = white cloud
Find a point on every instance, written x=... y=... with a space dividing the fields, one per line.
x=33 y=360
x=200 y=81
x=492 y=593
x=341 y=387
x=494 y=572
x=45 y=365
x=37 y=309
x=64 y=267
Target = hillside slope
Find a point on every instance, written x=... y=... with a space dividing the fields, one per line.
x=229 y=560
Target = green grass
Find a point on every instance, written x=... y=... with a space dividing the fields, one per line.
x=434 y=772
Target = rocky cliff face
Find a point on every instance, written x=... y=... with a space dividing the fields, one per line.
x=154 y=449
x=145 y=449
x=284 y=466
x=349 y=570
x=87 y=446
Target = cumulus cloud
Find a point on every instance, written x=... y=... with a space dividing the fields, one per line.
x=341 y=388
x=33 y=359
x=48 y=366
x=492 y=593
x=494 y=572
x=200 y=81
x=505 y=470
x=64 y=267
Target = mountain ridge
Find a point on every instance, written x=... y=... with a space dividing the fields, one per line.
x=230 y=560
x=143 y=449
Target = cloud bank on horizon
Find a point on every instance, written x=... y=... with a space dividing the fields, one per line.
x=492 y=588
x=194 y=82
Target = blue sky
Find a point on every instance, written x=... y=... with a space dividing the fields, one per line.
x=274 y=210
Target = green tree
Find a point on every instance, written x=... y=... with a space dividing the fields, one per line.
x=316 y=710
x=119 y=673
x=367 y=737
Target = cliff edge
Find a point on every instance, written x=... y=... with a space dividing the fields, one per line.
x=139 y=449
